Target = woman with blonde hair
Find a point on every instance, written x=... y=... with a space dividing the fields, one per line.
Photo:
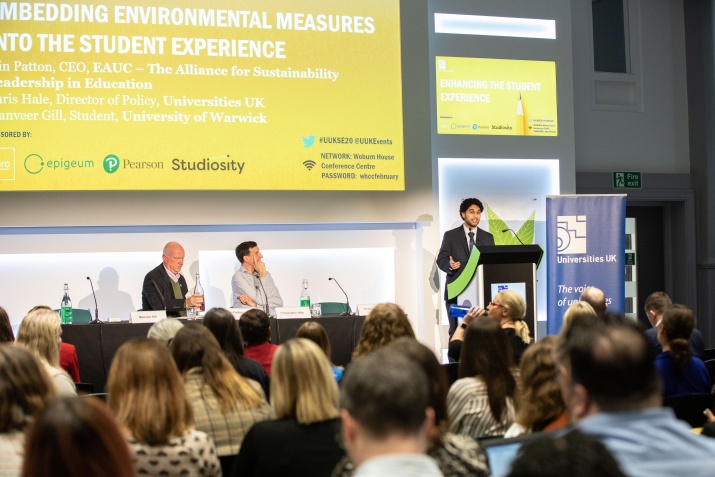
x=302 y=439
x=40 y=332
x=226 y=405
x=315 y=332
x=147 y=395
x=25 y=390
x=383 y=325
x=542 y=406
x=508 y=309
x=576 y=311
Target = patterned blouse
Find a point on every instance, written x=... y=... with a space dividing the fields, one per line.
x=191 y=455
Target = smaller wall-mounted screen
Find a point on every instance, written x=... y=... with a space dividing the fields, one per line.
x=485 y=96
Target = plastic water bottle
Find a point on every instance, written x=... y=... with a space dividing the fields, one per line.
x=66 y=307
x=198 y=289
x=305 y=294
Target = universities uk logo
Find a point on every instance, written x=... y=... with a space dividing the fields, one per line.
x=571 y=234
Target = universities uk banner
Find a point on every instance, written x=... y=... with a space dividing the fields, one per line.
x=585 y=243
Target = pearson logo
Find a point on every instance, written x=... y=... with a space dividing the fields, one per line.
x=571 y=234
x=110 y=164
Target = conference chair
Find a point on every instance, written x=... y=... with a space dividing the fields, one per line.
x=333 y=308
x=79 y=315
x=689 y=408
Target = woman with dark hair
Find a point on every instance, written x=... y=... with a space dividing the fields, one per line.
x=680 y=372
x=76 y=438
x=6 y=335
x=301 y=441
x=255 y=328
x=226 y=405
x=147 y=396
x=315 y=332
x=541 y=405
x=224 y=327
x=456 y=455
x=482 y=402
x=25 y=390
x=383 y=325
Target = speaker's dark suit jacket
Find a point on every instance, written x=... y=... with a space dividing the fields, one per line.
x=454 y=244
x=152 y=301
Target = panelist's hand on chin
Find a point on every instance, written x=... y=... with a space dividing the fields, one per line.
x=261 y=269
x=194 y=301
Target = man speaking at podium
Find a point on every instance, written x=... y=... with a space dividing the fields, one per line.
x=457 y=244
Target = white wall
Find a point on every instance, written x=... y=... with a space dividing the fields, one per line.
x=654 y=138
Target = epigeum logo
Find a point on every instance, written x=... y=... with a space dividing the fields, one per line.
x=571 y=234
x=110 y=164
x=34 y=163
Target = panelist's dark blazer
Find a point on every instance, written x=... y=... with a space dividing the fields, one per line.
x=454 y=244
x=152 y=301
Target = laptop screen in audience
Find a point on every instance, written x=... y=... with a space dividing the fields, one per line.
x=502 y=452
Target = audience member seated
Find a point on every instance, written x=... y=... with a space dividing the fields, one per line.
x=77 y=438
x=302 y=439
x=314 y=331
x=224 y=327
x=6 y=335
x=25 y=390
x=612 y=392
x=508 y=309
x=578 y=310
x=655 y=305
x=596 y=298
x=40 y=332
x=680 y=372
x=383 y=325
x=541 y=406
x=165 y=330
x=386 y=416
x=456 y=455
x=256 y=331
x=481 y=403
x=68 y=353
x=226 y=405
x=571 y=454
x=147 y=396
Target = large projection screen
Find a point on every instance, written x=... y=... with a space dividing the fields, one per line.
x=218 y=95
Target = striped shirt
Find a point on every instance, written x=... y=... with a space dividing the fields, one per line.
x=469 y=412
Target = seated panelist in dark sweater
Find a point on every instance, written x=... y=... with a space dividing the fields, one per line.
x=165 y=287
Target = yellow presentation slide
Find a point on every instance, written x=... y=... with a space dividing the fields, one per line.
x=201 y=95
x=496 y=97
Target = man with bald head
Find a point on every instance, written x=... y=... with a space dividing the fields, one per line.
x=596 y=298
x=165 y=288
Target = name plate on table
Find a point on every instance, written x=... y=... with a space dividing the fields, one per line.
x=237 y=312
x=364 y=310
x=151 y=316
x=293 y=312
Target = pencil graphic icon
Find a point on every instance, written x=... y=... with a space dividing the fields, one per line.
x=520 y=130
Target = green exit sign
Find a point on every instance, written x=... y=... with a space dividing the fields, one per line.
x=627 y=180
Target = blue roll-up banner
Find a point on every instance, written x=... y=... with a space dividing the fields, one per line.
x=585 y=246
